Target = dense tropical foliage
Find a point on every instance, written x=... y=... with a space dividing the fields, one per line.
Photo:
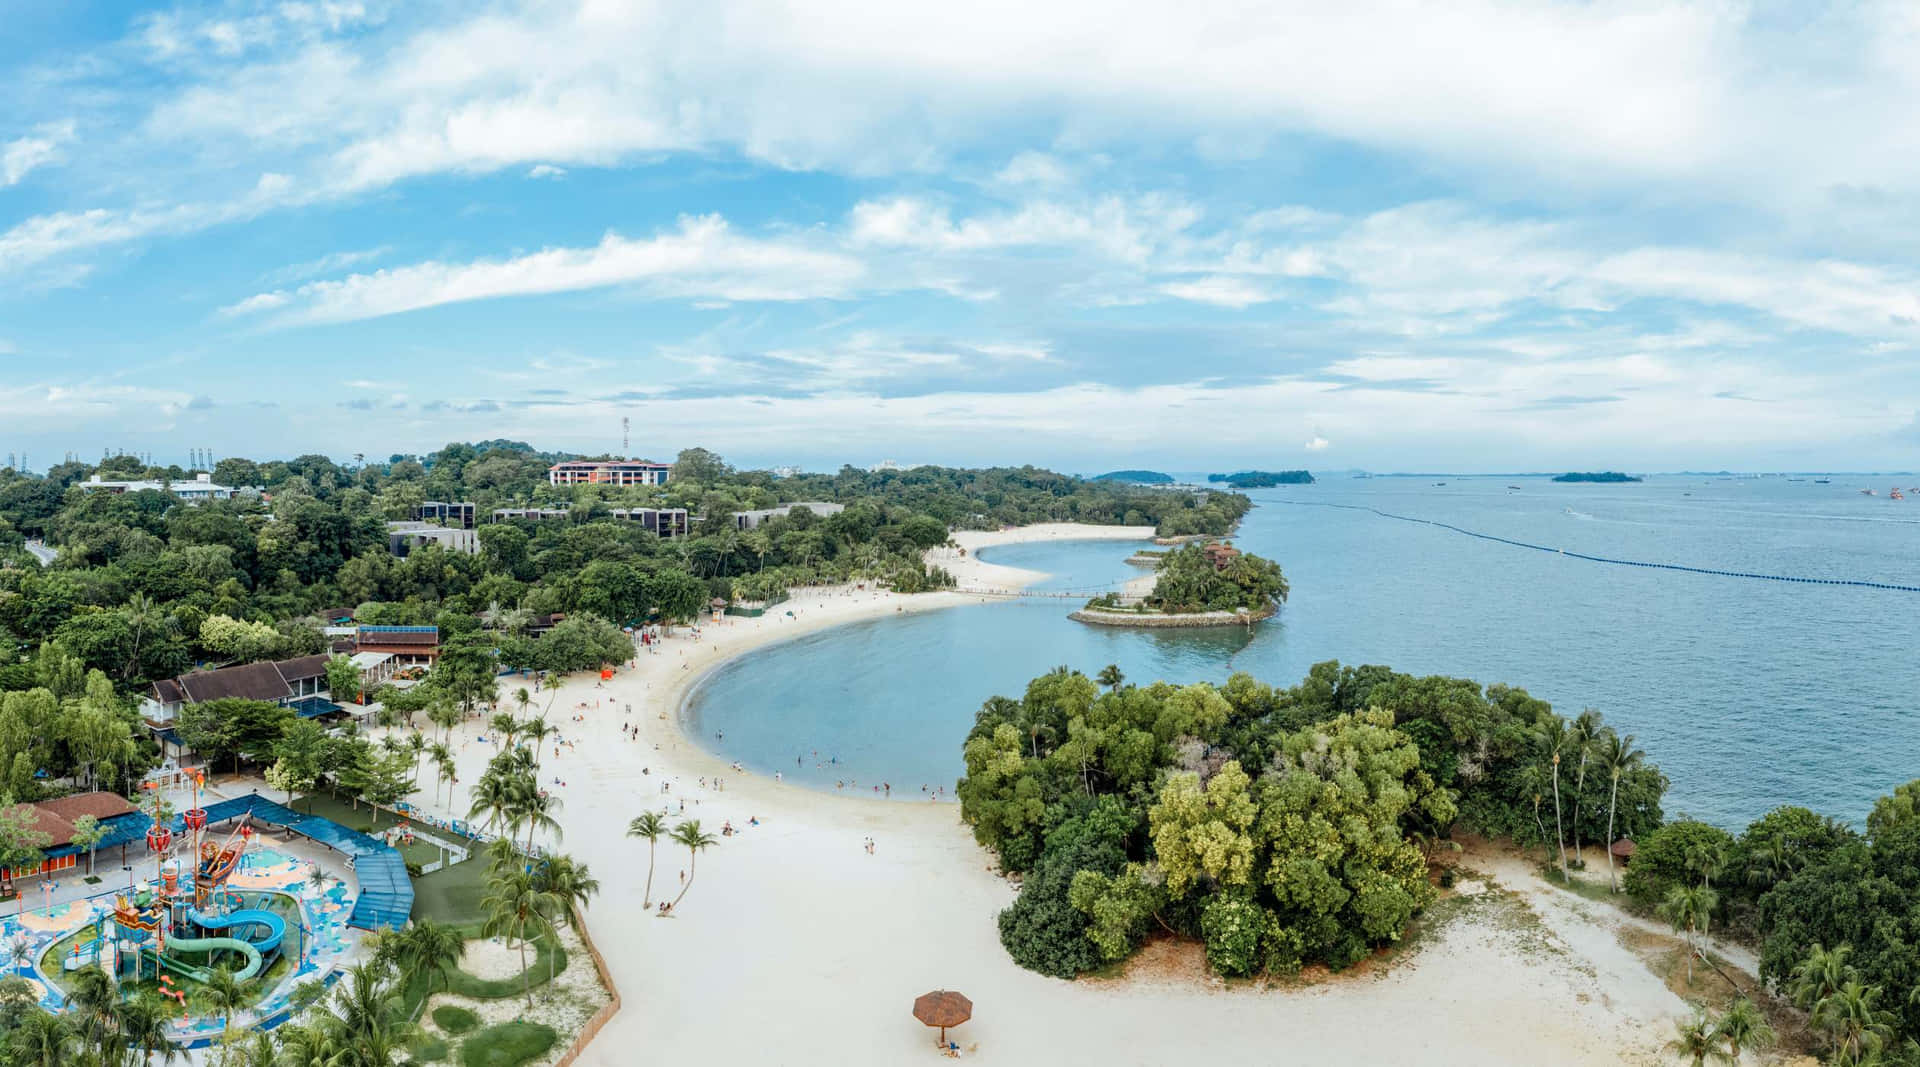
x=1280 y=827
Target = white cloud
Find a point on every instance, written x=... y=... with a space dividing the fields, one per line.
x=1032 y=168
x=39 y=148
x=1318 y=444
x=330 y=263
x=701 y=258
x=1218 y=291
x=547 y=170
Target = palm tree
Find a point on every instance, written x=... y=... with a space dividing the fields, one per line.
x=536 y=731
x=95 y=1004
x=504 y=724
x=317 y=877
x=428 y=948
x=650 y=826
x=443 y=766
x=1586 y=730
x=535 y=811
x=571 y=885
x=362 y=1025
x=1553 y=739
x=515 y=902
x=694 y=839
x=1618 y=756
x=1744 y=1028
x=46 y=1040
x=1696 y=1041
x=222 y=993
x=1689 y=909
x=416 y=744
x=144 y=1026
x=1816 y=977
x=1111 y=676
x=1853 y=1020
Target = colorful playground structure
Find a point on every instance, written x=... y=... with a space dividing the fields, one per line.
x=150 y=931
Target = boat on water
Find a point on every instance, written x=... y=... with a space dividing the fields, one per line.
x=1896 y=494
x=1868 y=492
x=1823 y=481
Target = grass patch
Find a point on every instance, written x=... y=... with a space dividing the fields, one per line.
x=452 y=895
x=507 y=1045
x=430 y=1050
x=545 y=948
x=454 y=1019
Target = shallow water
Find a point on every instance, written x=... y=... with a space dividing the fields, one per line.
x=1747 y=693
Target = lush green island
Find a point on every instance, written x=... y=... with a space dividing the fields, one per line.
x=1279 y=827
x=1262 y=479
x=1596 y=476
x=1197 y=585
x=1135 y=477
x=1286 y=827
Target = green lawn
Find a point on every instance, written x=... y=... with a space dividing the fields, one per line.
x=507 y=1045
x=340 y=810
x=454 y=1019
x=452 y=895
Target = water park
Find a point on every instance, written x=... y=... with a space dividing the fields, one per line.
x=216 y=900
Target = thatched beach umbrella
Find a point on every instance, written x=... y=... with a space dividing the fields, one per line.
x=943 y=1008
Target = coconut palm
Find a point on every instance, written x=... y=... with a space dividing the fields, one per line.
x=95 y=1006
x=516 y=902
x=1689 y=909
x=1111 y=676
x=1696 y=1042
x=222 y=993
x=689 y=835
x=1585 y=733
x=1744 y=1028
x=1853 y=1021
x=143 y=1026
x=650 y=826
x=571 y=885
x=536 y=731
x=46 y=1040
x=1617 y=756
x=505 y=725
x=1553 y=739
x=428 y=948
x=362 y=1024
x=535 y=810
x=443 y=766
x=1823 y=972
x=416 y=744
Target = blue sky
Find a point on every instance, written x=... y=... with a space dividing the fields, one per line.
x=1474 y=236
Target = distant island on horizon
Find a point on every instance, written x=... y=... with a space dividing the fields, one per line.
x=1262 y=479
x=1135 y=477
x=1597 y=476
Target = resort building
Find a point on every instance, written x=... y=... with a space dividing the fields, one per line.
x=664 y=522
x=747 y=520
x=532 y=514
x=404 y=537
x=461 y=515
x=202 y=487
x=609 y=472
x=410 y=646
x=299 y=683
x=56 y=818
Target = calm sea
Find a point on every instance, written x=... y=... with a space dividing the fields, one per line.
x=1748 y=693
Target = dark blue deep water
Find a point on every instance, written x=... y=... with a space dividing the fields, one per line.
x=1748 y=693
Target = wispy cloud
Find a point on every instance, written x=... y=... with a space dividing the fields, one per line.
x=702 y=257
x=21 y=156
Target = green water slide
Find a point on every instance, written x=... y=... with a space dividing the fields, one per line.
x=210 y=945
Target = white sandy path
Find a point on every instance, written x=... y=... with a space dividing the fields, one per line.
x=796 y=947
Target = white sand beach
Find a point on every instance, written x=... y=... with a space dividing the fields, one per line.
x=796 y=946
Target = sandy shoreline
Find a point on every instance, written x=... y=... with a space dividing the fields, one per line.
x=796 y=946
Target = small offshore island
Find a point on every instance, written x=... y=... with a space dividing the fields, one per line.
x=1196 y=585
x=1608 y=477
x=1262 y=479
